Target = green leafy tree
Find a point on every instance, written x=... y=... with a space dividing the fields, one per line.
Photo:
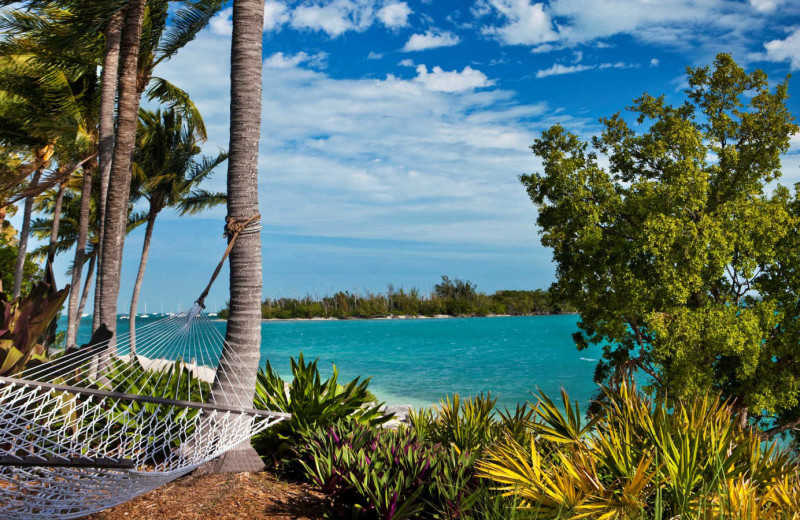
x=680 y=255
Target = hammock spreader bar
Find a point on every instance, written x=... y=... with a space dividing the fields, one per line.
x=67 y=462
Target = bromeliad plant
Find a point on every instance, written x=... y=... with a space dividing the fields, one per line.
x=471 y=424
x=23 y=322
x=313 y=402
x=468 y=424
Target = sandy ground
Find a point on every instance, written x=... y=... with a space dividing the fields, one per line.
x=232 y=496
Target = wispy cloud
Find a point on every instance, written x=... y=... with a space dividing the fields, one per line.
x=430 y=40
x=280 y=60
x=679 y=24
x=558 y=69
x=431 y=157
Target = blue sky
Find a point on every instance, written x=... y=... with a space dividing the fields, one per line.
x=393 y=132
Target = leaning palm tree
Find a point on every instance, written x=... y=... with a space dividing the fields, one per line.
x=71 y=235
x=169 y=172
x=243 y=334
x=143 y=45
x=120 y=181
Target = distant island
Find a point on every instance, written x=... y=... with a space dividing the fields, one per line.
x=450 y=297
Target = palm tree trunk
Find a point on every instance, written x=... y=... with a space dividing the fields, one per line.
x=73 y=316
x=24 y=235
x=243 y=336
x=108 y=99
x=119 y=185
x=51 y=252
x=148 y=234
x=86 y=285
x=52 y=329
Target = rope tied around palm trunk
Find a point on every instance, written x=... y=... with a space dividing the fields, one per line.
x=234 y=227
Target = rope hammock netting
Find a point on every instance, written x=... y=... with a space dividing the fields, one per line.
x=99 y=425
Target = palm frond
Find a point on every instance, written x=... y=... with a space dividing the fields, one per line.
x=199 y=200
x=189 y=20
x=174 y=97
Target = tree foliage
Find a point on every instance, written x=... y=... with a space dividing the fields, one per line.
x=681 y=254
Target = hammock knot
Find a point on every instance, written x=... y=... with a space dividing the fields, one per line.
x=242 y=225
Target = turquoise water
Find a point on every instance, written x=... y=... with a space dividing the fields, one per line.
x=421 y=361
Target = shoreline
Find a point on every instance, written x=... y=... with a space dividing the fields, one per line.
x=412 y=317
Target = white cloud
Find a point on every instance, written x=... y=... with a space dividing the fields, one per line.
x=618 y=65
x=525 y=23
x=275 y=15
x=394 y=15
x=766 y=5
x=558 y=69
x=280 y=60
x=221 y=23
x=408 y=62
x=452 y=81
x=374 y=55
x=688 y=24
x=787 y=49
x=654 y=62
x=430 y=40
x=794 y=142
x=334 y=18
x=429 y=158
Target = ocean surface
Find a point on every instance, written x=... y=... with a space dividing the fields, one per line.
x=420 y=361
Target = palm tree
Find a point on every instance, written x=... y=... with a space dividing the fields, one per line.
x=159 y=42
x=119 y=186
x=65 y=96
x=108 y=97
x=243 y=335
x=128 y=38
x=169 y=173
x=71 y=233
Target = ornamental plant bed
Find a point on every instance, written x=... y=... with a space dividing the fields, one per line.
x=231 y=496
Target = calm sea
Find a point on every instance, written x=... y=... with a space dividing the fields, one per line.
x=420 y=361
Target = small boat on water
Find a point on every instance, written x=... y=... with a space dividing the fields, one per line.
x=124 y=317
x=143 y=316
x=85 y=315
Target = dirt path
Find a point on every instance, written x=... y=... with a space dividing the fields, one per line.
x=233 y=496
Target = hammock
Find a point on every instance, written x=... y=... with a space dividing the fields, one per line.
x=100 y=425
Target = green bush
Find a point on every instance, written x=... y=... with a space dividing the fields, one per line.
x=384 y=474
x=313 y=402
x=469 y=424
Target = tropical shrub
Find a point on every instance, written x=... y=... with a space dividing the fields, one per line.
x=175 y=382
x=313 y=402
x=640 y=458
x=369 y=473
x=383 y=474
x=470 y=424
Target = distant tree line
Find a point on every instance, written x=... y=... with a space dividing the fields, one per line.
x=451 y=297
